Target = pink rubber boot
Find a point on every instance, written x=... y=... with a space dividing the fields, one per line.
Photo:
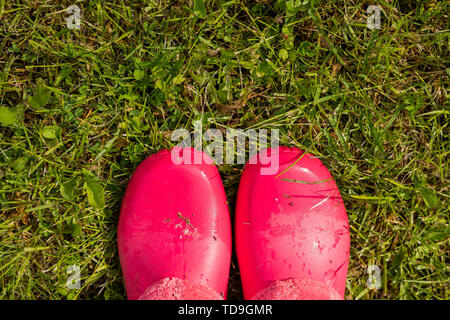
x=174 y=233
x=292 y=232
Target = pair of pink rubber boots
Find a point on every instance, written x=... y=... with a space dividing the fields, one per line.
x=291 y=230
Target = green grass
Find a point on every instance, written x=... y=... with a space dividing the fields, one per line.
x=80 y=109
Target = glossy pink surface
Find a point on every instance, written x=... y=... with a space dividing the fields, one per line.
x=174 y=222
x=286 y=229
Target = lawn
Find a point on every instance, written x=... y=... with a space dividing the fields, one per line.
x=81 y=108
